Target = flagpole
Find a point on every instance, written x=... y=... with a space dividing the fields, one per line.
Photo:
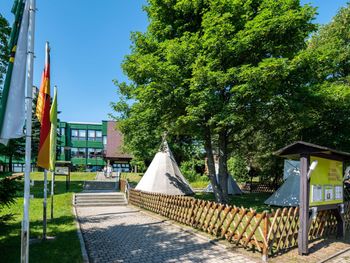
x=28 y=146
x=52 y=191
x=44 y=205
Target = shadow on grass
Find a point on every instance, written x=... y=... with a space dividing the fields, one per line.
x=246 y=200
x=64 y=248
x=60 y=188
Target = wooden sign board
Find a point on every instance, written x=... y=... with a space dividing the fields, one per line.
x=326 y=182
x=61 y=170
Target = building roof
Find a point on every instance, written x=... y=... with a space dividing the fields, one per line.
x=294 y=150
x=114 y=143
x=87 y=123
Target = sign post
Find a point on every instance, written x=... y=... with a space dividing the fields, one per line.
x=63 y=169
x=321 y=186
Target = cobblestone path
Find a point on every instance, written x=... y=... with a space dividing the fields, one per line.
x=342 y=258
x=123 y=234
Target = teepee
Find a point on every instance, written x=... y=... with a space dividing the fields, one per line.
x=164 y=176
x=232 y=186
x=288 y=193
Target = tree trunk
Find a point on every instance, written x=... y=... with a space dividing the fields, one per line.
x=223 y=173
x=211 y=168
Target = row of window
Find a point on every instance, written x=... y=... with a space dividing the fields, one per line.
x=82 y=135
x=92 y=135
x=86 y=153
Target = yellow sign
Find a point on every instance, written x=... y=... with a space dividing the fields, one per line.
x=326 y=182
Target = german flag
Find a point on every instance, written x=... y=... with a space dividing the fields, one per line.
x=43 y=114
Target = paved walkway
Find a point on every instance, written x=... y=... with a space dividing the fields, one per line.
x=123 y=234
x=342 y=258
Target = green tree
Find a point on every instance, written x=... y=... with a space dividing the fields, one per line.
x=210 y=70
x=328 y=58
x=5 y=31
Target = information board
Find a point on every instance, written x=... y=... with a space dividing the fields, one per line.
x=61 y=170
x=326 y=182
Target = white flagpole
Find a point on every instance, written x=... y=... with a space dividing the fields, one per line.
x=52 y=191
x=29 y=101
x=45 y=204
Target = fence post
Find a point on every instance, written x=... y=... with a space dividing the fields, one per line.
x=266 y=244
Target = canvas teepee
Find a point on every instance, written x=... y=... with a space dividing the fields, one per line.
x=164 y=176
x=232 y=186
x=288 y=193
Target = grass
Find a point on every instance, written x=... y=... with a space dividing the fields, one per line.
x=133 y=178
x=65 y=247
x=253 y=200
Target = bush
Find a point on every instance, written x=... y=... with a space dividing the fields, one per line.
x=8 y=193
x=193 y=170
x=237 y=167
x=79 y=168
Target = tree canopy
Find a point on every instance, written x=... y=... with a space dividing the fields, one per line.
x=221 y=72
x=4 y=50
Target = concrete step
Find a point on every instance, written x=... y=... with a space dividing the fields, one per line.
x=99 y=199
x=100 y=185
x=101 y=204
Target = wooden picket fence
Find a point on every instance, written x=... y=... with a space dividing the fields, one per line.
x=255 y=187
x=267 y=233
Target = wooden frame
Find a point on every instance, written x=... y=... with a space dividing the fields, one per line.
x=304 y=151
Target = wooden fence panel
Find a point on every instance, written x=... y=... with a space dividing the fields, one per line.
x=266 y=232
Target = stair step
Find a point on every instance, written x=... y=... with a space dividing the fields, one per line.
x=101 y=204
x=100 y=199
x=100 y=185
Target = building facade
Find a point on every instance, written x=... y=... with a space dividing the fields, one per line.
x=89 y=147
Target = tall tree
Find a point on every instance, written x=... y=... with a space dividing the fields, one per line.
x=5 y=31
x=206 y=67
x=328 y=58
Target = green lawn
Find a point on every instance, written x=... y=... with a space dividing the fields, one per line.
x=65 y=247
x=253 y=200
x=134 y=178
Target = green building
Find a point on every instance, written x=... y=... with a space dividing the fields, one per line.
x=89 y=146
x=82 y=143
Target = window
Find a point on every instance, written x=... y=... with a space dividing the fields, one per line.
x=95 y=153
x=91 y=135
x=74 y=134
x=82 y=135
x=79 y=135
x=62 y=131
x=74 y=152
x=98 y=134
x=104 y=140
x=81 y=153
x=17 y=168
x=91 y=153
x=99 y=153
x=94 y=135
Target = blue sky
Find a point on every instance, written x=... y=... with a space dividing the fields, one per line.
x=88 y=42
